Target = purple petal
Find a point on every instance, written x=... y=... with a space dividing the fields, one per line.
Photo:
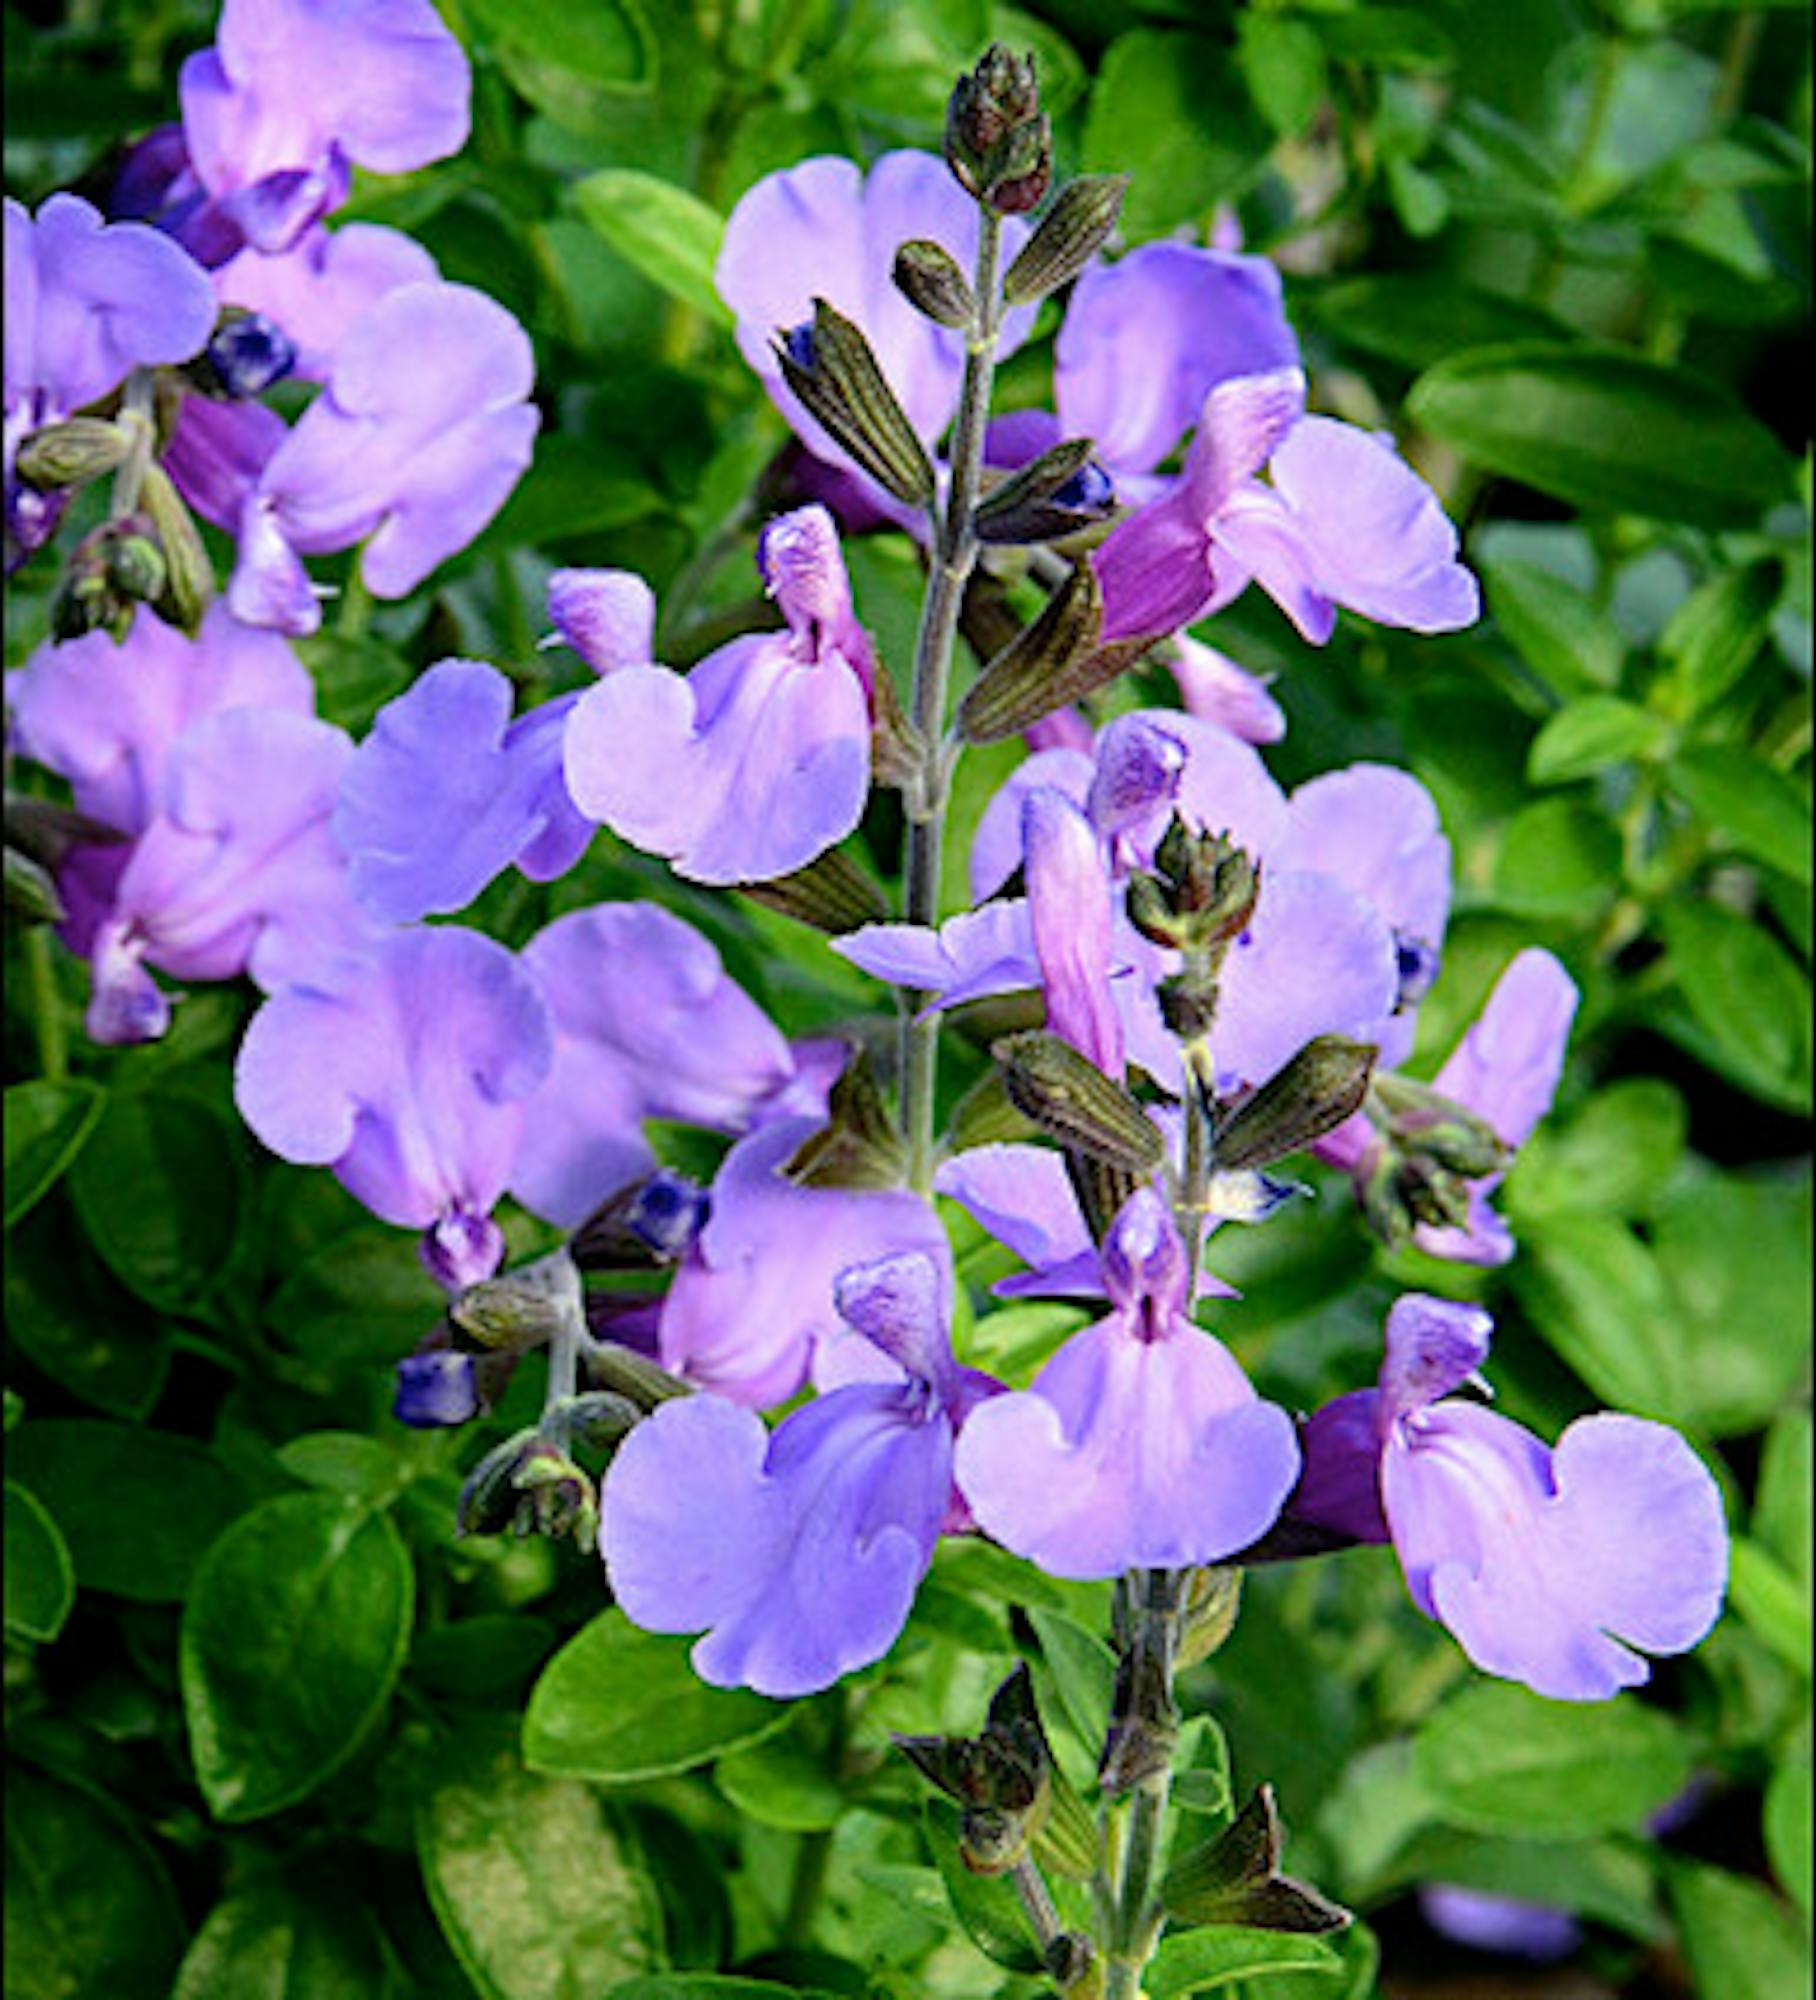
x=87 y=301
x=1144 y=1262
x=996 y=846
x=445 y=792
x=1022 y=1195
x=1146 y=339
x=1376 y=830
x=1070 y=912
x=1340 y=1487
x=608 y=616
x=976 y=953
x=1216 y=690
x=1128 y=1453
x=269 y=586
x=803 y=569
x=800 y=1553
x=1433 y=1347
x=1315 y=960
x=901 y=1305
x=217 y=454
x=1542 y=1565
x=1503 y=1924
x=107 y=716
x=647 y=1025
x=756 y=1292
x=1224 y=788
x=406 y=1071
x=1154 y=569
x=1139 y=763
x=318 y=290
x=746 y=769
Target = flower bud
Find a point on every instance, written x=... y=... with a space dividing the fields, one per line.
x=653 y=1220
x=70 y=454
x=31 y=891
x=998 y=142
x=245 y=356
x=1072 y=1100
x=1003 y=1779
x=831 y=894
x=1234 y=1878
x=1071 y=233
x=624 y=1372
x=930 y=280
x=111 y=570
x=1321 y=1086
x=1144 y=1718
x=1210 y=881
x=189 y=584
x=831 y=369
x=435 y=1391
x=524 y=1308
x=1419 y=1119
x=1208 y=1616
x=858 y=1146
x=531 y=1486
x=1034 y=673
x=1060 y=493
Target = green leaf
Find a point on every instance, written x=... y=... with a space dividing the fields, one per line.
x=1773 y=1601
x=1609 y=1881
x=1282 y=62
x=47 y=1125
x=781 y=1782
x=1561 y=633
x=1497 y=1759
x=1218 y=1955
x=160 y=1188
x=295 y=1629
x=1607 y=431
x=1597 y=1295
x=1201 y=1770
x=1741 y=1941
x=538 y=1889
x=1615 y=1157
x=88 y=1908
x=476 y=1659
x=555 y=53
x=287 y=1941
x=705 y=1986
x=1169 y=111
x=1762 y=811
x=138 y=1507
x=40 y=1580
x=75 y=1322
x=669 y=234
x=346 y=1462
x=1747 y=994
x=1084 y=1672
x=987 y=1907
x=1781 y=1503
x=363 y=1298
x=1387 y=38
x=1415 y=319
x=617 y=1705
x=1588 y=735
x=1787 y=1817
x=1558 y=858
x=1714 y=636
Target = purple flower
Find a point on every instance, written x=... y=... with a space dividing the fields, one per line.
x=647 y=1024
x=1072 y=917
x=754 y=1295
x=446 y=791
x=107 y=716
x=798 y=1551
x=971 y=956
x=1216 y=690
x=1548 y=1566
x=758 y=760
x=295 y=92
x=320 y=289
x=1141 y=1442
x=1147 y=338
x=824 y=229
x=408 y=1072
x=412 y=447
x=608 y=616
x=435 y=1391
x=86 y=302
x=1505 y=1924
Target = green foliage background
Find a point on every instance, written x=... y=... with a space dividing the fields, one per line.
x=272 y=1730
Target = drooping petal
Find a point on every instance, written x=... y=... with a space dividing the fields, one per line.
x=1376 y=830
x=1070 y=913
x=1137 y=775
x=647 y=1025
x=1433 y=1347
x=608 y=616
x=996 y=846
x=756 y=1291
x=975 y=954
x=1340 y=1487
x=406 y=1071
x=1216 y=690
x=1022 y=1195
x=1147 y=338
x=743 y=770
x=1128 y=1453
x=801 y=1553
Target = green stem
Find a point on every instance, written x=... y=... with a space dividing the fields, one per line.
x=1031 y=1887
x=137 y=417
x=954 y=554
x=355 y=612
x=811 y=1858
x=47 y=1005
x=1137 y=1921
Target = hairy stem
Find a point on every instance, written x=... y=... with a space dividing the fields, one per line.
x=1031 y=1887
x=1135 y=1927
x=954 y=553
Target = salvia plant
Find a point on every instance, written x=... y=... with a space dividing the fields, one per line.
x=793 y=1157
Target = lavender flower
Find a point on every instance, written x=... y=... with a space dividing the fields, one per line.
x=608 y=616
x=754 y=1296
x=421 y=433
x=1141 y=1442
x=296 y=92
x=647 y=1024
x=1549 y=1566
x=1508 y=1925
x=407 y=1071
x=1215 y=689
x=799 y=1551
x=320 y=288
x=758 y=760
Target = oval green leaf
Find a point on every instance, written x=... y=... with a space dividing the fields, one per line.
x=669 y=234
x=46 y=1126
x=289 y=1941
x=1218 y=1955
x=295 y=1630
x=617 y=1705
x=40 y=1579
x=1605 y=430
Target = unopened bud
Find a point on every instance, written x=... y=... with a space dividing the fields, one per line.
x=1029 y=678
x=435 y=1391
x=1210 y=887
x=998 y=142
x=190 y=575
x=831 y=894
x=929 y=278
x=1060 y=493
x=70 y=454
x=31 y=891
x=1002 y=1778
x=1419 y=1119
x=1071 y=1099
x=245 y=356
x=649 y=1221
x=531 y=1486
x=831 y=369
x=1144 y=1718
x=1234 y=1878
x=1321 y=1086
x=524 y=1308
x=1071 y=233
x=639 y=1380
x=111 y=571
x=1208 y=1615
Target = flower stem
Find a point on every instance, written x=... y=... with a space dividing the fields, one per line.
x=954 y=553
x=1136 y=1920
x=136 y=418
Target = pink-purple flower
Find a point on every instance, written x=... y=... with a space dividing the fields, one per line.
x=1555 y=1567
